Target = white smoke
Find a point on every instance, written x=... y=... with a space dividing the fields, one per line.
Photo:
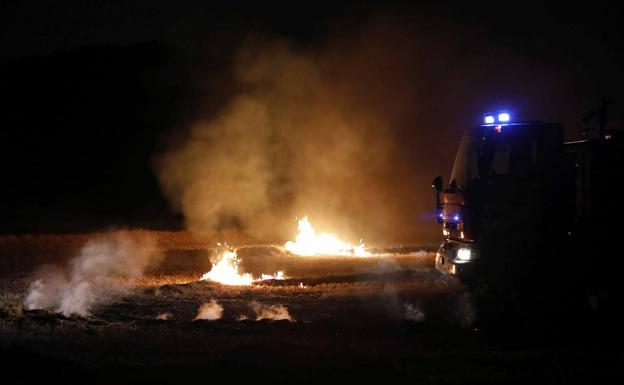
x=45 y=292
x=274 y=312
x=96 y=276
x=209 y=311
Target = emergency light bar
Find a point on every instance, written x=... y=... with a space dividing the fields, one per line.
x=501 y=117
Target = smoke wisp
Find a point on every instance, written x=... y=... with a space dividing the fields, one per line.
x=97 y=275
x=272 y=312
x=413 y=312
x=210 y=311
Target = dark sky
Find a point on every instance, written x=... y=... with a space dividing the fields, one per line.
x=587 y=35
x=584 y=39
x=40 y=27
x=86 y=103
x=29 y=27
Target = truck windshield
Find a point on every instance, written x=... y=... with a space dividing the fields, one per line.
x=465 y=167
x=488 y=156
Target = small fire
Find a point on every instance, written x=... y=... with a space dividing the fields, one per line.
x=279 y=276
x=309 y=243
x=225 y=271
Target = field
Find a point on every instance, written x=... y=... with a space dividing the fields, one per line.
x=387 y=318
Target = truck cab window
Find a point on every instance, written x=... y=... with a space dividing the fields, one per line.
x=465 y=167
x=500 y=160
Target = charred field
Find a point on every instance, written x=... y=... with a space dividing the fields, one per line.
x=383 y=318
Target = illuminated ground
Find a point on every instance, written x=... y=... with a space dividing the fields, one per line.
x=389 y=318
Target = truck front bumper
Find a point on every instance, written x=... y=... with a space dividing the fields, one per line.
x=447 y=262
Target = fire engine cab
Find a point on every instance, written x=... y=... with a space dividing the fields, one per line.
x=522 y=207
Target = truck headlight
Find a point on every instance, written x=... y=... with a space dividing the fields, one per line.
x=464 y=254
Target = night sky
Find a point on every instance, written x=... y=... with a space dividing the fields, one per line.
x=587 y=30
x=92 y=92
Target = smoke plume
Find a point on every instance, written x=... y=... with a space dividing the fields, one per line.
x=94 y=277
x=350 y=129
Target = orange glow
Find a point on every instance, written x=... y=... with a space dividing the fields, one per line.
x=225 y=271
x=308 y=243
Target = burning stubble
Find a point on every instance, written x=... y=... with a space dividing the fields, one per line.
x=225 y=270
x=96 y=276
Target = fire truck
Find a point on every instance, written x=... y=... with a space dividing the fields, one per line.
x=523 y=208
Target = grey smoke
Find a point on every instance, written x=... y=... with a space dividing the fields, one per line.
x=210 y=311
x=97 y=275
x=350 y=130
x=272 y=312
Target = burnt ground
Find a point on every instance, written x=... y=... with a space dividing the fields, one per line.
x=382 y=319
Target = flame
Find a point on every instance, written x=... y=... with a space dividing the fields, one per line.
x=225 y=271
x=309 y=243
x=279 y=276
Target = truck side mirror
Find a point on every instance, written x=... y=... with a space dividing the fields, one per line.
x=437 y=184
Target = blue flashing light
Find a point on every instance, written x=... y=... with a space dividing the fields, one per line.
x=441 y=215
x=489 y=119
x=456 y=218
x=503 y=117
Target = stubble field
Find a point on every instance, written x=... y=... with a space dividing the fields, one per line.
x=388 y=318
